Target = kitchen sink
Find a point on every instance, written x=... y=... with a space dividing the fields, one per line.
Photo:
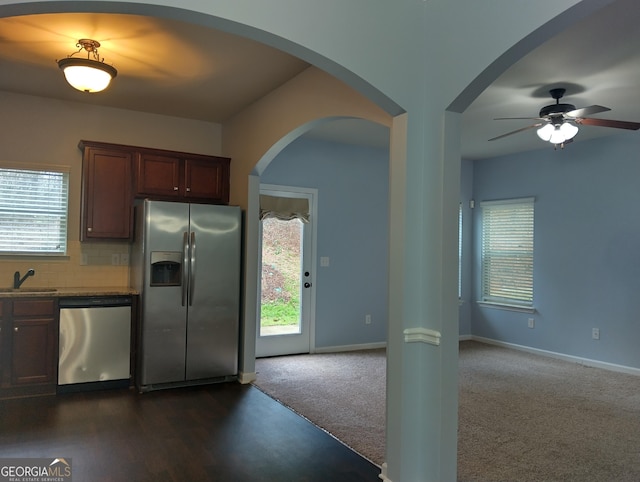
x=27 y=290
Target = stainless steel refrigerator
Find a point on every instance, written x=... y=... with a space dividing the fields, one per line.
x=185 y=262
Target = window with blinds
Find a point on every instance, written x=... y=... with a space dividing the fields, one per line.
x=507 y=252
x=33 y=211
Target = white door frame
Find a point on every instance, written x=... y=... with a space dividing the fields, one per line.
x=291 y=191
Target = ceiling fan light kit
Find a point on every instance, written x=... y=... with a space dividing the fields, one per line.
x=557 y=134
x=557 y=122
x=90 y=74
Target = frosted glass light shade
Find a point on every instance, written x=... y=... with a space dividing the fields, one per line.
x=569 y=130
x=557 y=134
x=545 y=132
x=87 y=75
x=557 y=137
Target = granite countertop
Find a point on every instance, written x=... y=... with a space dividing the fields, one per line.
x=33 y=292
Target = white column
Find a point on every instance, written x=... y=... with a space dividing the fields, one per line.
x=423 y=327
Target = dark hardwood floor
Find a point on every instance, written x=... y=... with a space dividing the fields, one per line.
x=225 y=432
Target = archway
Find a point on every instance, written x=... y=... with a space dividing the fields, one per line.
x=403 y=36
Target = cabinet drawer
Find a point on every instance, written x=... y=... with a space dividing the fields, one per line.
x=34 y=307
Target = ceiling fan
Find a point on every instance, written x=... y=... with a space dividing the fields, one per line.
x=558 y=123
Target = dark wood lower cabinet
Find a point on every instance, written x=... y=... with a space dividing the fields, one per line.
x=28 y=347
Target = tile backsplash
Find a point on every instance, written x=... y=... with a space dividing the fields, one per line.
x=86 y=265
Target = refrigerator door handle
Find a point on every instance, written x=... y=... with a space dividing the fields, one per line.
x=192 y=269
x=185 y=265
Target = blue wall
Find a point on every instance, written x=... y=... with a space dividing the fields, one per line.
x=586 y=248
x=587 y=243
x=353 y=225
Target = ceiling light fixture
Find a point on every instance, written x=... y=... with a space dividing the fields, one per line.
x=90 y=74
x=557 y=133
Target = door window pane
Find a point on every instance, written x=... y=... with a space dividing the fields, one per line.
x=280 y=312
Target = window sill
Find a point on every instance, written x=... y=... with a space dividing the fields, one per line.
x=504 y=306
x=35 y=256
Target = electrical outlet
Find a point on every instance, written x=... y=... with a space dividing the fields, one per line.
x=595 y=333
x=124 y=259
x=367 y=319
x=531 y=323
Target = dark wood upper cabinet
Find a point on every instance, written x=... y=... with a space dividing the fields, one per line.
x=113 y=175
x=207 y=179
x=107 y=194
x=157 y=175
x=181 y=176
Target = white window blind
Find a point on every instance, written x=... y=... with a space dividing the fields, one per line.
x=33 y=211
x=284 y=208
x=507 y=251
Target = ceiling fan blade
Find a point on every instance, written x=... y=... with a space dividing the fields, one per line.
x=587 y=121
x=590 y=110
x=516 y=131
x=519 y=118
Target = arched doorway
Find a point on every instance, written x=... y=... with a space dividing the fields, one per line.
x=400 y=35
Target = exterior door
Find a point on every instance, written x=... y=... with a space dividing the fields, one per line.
x=286 y=291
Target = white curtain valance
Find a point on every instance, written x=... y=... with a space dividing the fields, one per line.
x=284 y=208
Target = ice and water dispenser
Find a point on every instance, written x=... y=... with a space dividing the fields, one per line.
x=166 y=268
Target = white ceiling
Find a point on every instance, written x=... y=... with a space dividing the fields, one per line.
x=164 y=67
x=171 y=68
x=597 y=61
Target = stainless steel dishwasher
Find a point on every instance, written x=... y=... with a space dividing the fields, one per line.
x=94 y=343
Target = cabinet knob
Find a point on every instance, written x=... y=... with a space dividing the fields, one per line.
x=15 y=329
x=89 y=230
x=175 y=188
x=188 y=189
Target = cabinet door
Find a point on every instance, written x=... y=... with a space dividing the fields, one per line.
x=107 y=195
x=33 y=351
x=207 y=179
x=33 y=346
x=157 y=175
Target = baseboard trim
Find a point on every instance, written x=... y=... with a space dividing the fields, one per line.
x=245 y=378
x=383 y=473
x=561 y=356
x=340 y=348
x=465 y=337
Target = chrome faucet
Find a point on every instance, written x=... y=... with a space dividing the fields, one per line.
x=17 y=281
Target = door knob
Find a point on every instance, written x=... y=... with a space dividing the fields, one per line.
x=307 y=285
